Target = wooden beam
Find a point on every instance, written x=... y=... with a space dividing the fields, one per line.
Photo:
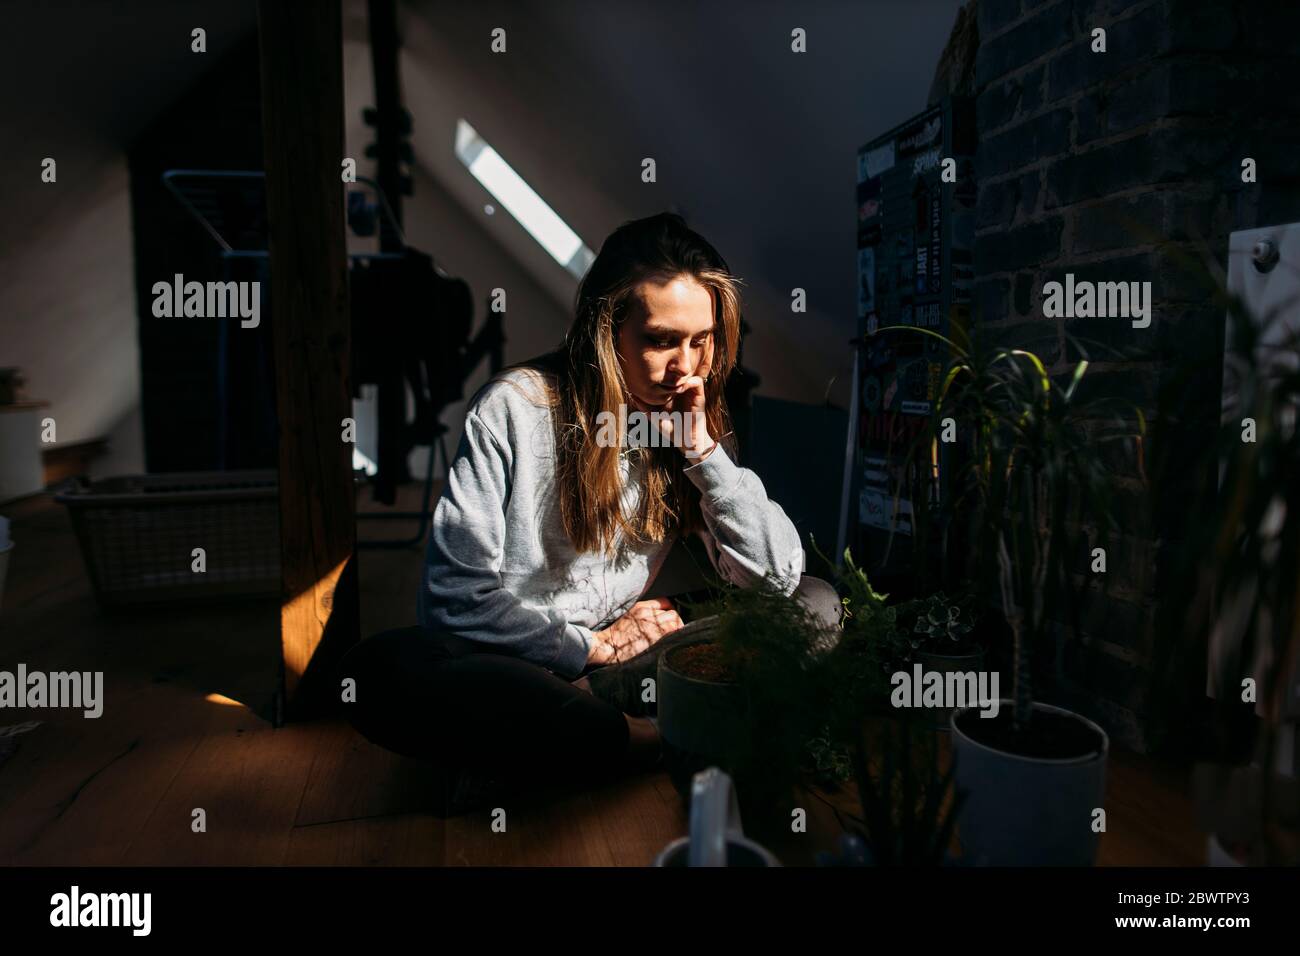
x=302 y=123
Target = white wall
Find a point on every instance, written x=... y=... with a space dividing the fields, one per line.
x=69 y=316
x=77 y=84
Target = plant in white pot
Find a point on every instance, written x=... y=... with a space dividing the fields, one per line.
x=1030 y=483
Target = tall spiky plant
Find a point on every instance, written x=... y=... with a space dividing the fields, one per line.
x=1030 y=480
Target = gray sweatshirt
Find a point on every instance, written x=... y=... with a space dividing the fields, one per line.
x=499 y=567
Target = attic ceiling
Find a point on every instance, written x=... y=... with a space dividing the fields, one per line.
x=756 y=145
x=753 y=143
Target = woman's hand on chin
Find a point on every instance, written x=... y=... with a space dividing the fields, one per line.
x=689 y=399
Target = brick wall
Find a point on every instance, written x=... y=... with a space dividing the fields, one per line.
x=1114 y=166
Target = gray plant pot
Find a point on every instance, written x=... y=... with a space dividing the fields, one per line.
x=701 y=722
x=945 y=664
x=1028 y=811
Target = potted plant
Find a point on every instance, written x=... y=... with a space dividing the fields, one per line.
x=744 y=696
x=1030 y=481
x=938 y=634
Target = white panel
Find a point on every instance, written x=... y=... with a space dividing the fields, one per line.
x=1264 y=271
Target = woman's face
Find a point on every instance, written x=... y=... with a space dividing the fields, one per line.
x=666 y=336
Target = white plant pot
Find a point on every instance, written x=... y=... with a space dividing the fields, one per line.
x=1028 y=811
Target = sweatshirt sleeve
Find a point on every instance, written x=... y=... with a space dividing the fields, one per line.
x=749 y=537
x=462 y=591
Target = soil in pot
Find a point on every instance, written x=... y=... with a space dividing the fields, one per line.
x=1048 y=736
x=704 y=661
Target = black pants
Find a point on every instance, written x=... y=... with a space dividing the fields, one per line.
x=469 y=706
x=463 y=704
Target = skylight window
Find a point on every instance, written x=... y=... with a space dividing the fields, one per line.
x=521 y=201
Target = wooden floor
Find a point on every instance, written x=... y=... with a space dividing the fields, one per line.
x=186 y=727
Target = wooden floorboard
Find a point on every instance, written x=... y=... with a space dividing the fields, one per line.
x=625 y=823
x=405 y=839
x=1149 y=816
x=352 y=779
x=76 y=792
x=249 y=785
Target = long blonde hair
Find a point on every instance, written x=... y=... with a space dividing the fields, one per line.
x=584 y=377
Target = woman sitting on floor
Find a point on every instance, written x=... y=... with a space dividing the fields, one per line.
x=534 y=639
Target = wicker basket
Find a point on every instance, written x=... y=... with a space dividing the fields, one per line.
x=138 y=534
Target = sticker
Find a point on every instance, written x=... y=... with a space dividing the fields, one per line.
x=914 y=380
x=936 y=244
x=877 y=160
x=918 y=137
x=869 y=205
x=876 y=510
x=925 y=162
x=866 y=280
x=915 y=408
x=874 y=471
x=879 y=356
x=871 y=391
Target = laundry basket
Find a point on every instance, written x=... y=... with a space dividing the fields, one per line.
x=138 y=534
